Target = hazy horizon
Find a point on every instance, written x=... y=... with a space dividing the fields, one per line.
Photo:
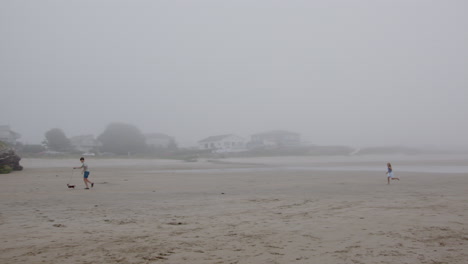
x=361 y=73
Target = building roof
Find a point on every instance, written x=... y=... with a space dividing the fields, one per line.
x=215 y=138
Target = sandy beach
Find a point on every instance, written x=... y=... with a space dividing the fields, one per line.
x=252 y=210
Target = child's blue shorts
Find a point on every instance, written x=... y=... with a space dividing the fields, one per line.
x=86 y=174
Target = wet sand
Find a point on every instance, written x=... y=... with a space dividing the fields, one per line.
x=235 y=211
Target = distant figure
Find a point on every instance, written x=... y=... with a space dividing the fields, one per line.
x=390 y=173
x=85 y=173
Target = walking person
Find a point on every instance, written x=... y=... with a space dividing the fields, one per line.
x=85 y=168
x=390 y=173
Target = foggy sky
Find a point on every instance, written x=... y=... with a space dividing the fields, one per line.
x=357 y=73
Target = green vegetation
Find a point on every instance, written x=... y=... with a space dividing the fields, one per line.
x=5 y=169
x=56 y=140
x=122 y=139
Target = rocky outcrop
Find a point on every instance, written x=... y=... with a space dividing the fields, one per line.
x=8 y=159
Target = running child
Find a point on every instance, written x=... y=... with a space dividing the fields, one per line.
x=85 y=168
x=390 y=173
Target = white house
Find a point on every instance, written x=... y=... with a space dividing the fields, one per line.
x=7 y=135
x=223 y=143
x=85 y=143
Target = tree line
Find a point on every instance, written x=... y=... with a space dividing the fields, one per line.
x=117 y=138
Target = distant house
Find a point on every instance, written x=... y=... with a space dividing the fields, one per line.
x=85 y=143
x=223 y=143
x=275 y=139
x=159 y=141
x=7 y=135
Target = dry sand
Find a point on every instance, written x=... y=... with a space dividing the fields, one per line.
x=258 y=210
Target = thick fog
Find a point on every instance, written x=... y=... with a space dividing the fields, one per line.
x=358 y=73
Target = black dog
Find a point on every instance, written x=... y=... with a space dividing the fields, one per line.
x=71 y=186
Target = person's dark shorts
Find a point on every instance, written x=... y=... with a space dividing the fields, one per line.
x=86 y=174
